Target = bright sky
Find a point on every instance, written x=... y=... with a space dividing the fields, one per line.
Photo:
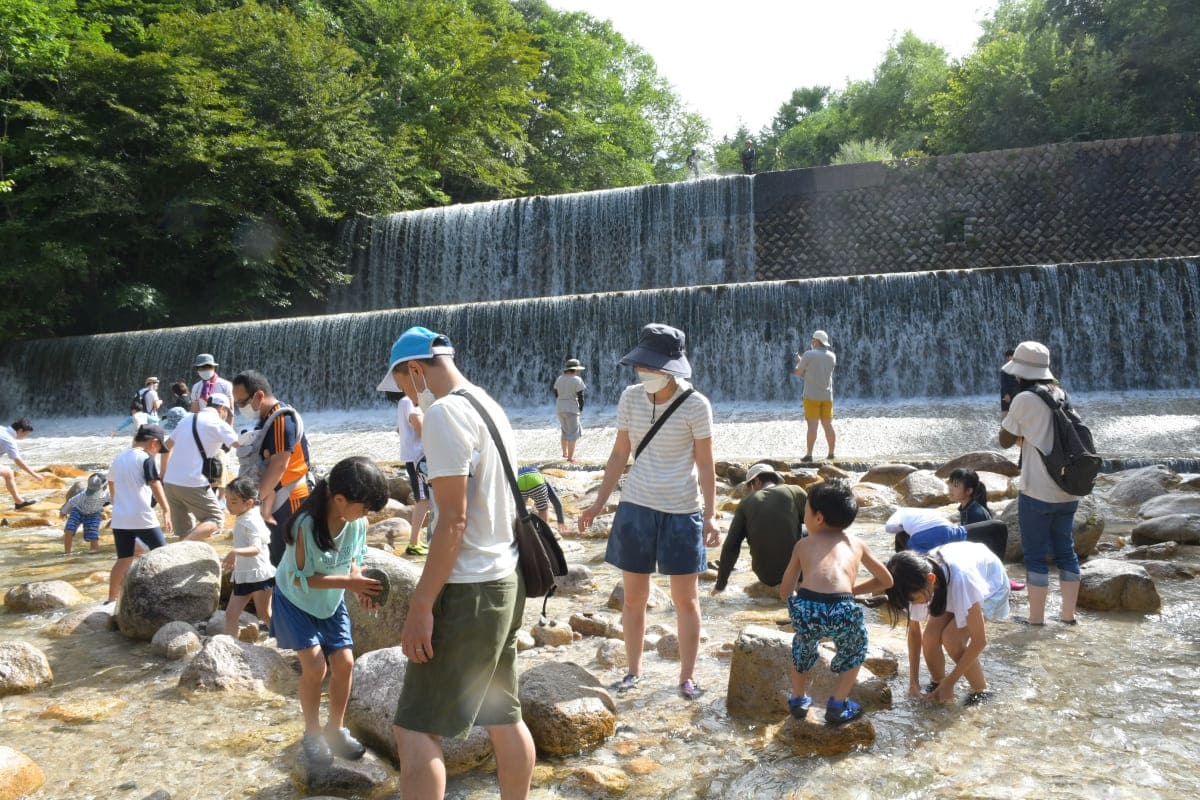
x=738 y=62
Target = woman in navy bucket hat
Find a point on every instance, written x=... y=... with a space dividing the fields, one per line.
x=667 y=512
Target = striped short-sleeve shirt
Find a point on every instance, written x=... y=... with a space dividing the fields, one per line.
x=664 y=476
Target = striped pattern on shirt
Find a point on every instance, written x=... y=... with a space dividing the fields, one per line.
x=664 y=476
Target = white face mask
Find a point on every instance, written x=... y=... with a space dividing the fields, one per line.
x=206 y=374
x=247 y=411
x=653 y=382
x=425 y=398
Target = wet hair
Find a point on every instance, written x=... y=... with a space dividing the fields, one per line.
x=910 y=574
x=244 y=488
x=355 y=478
x=833 y=500
x=22 y=424
x=969 y=479
x=253 y=382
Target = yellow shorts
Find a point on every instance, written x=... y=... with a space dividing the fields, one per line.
x=818 y=409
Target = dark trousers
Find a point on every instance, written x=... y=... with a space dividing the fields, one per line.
x=992 y=533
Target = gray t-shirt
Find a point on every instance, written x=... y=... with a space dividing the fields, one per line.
x=566 y=386
x=816 y=367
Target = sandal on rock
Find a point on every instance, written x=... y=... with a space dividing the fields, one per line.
x=316 y=749
x=798 y=706
x=343 y=744
x=839 y=713
x=628 y=683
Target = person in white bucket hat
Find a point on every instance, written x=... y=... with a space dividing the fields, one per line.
x=816 y=367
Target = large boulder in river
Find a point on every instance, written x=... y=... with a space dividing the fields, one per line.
x=922 y=489
x=566 y=708
x=226 y=664
x=378 y=676
x=759 y=683
x=888 y=474
x=41 y=596
x=980 y=461
x=1161 y=506
x=181 y=581
x=1110 y=585
x=19 y=775
x=1181 y=528
x=1131 y=488
x=374 y=630
x=871 y=495
x=1088 y=528
x=23 y=669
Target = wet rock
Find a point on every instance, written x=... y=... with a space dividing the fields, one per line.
x=1088 y=528
x=178 y=582
x=552 y=633
x=803 y=478
x=399 y=489
x=1111 y=585
x=592 y=624
x=566 y=708
x=19 y=775
x=340 y=775
x=577 y=581
x=922 y=489
x=668 y=646
x=1177 y=503
x=176 y=640
x=161 y=794
x=811 y=736
x=225 y=664
x=870 y=495
x=888 y=474
x=610 y=654
x=41 y=596
x=1179 y=528
x=981 y=461
x=761 y=591
x=759 y=682
x=392 y=530
x=375 y=690
x=1166 y=570
x=829 y=471
x=216 y=623
x=85 y=711
x=658 y=598
x=881 y=661
x=600 y=780
x=1160 y=550
x=94 y=619
x=1135 y=487
x=876 y=513
x=374 y=630
x=23 y=669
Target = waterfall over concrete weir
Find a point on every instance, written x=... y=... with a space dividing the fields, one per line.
x=1109 y=326
x=645 y=237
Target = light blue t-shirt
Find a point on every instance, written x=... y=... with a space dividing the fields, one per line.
x=350 y=547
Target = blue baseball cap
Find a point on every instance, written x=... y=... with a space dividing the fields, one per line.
x=414 y=343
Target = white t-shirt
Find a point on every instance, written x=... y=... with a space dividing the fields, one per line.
x=251 y=531
x=1029 y=416
x=149 y=400
x=457 y=442
x=914 y=520
x=130 y=474
x=973 y=575
x=566 y=386
x=664 y=477
x=8 y=443
x=410 y=442
x=183 y=467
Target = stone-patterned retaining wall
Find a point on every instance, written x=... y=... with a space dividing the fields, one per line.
x=1091 y=201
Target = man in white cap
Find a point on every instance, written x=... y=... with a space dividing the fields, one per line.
x=568 y=391
x=189 y=493
x=210 y=382
x=771 y=518
x=816 y=367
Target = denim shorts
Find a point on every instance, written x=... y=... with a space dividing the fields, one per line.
x=641 y=536
x=296 y=629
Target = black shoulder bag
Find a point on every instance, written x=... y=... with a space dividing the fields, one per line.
x=210 y=468
x=539 y=555
x=654 y=428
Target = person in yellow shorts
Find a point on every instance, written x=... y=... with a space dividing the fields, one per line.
x=816 y=367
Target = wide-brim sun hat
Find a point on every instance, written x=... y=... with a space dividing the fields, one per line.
x=1031 y=361
x=822 y=337
x=573 y=363
x=205 y=360
x=660 y=347
x=415 y=343
x=760 y=469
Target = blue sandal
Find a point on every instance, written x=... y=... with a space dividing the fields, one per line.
x=798 y=706
x=838 y=713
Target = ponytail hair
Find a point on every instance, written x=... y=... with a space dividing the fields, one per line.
x=969 y=479
x=355 y=478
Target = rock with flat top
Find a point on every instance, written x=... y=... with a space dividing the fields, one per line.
x=1135 y=487
x=812 y=736
x=981 y=461
x=1178 y=528
x=1174 y=503
x=888 y=474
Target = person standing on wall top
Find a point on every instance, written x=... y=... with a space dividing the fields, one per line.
x=277 y=454
x=771 y=519
x=816 y=367
x=1008 y=386
x=464 y=614
x=8 y=446
x=568 y=389
x=210 y=382
x=749 y=156
x=693 y=164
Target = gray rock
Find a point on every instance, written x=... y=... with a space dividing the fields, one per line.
x=225 y=664
x=94 y=619
x=1111 y=585
x=340 y=775
x=1180 y=528
x=23 y=669
x=41 y=596
x=374 y=630
x=216 y=623
x=888 y=474
x=176 y=640
x=922 y=489
x=577 y=581
x=181 y=581
x=759 y=682
x=1167 y=570
x=1135 y=487
x=399 y=489
x=658 y=598
x=668 y=646
x=610 y=654
x=396 y=529
x=374 y=693
x=566 y=708
x=870 y=495
x=1157 y=551
x=1176 y=503
x=876 y=513
x=1089 y=527
x=981 y=461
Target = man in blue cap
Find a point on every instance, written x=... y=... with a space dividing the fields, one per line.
x=460 y=632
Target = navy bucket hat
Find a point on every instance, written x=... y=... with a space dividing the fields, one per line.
x=662 y=348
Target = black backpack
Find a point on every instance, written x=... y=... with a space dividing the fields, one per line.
x=139 y=400
x=1072 y=461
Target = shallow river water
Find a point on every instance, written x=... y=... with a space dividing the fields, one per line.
x=1103 y=710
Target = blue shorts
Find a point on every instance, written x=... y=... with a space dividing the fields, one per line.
x=151 y=537
x=641 y=536
x=816 y=616
x=90 y=523
x=296 y=629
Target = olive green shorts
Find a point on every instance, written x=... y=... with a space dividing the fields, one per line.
x=472 y=677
